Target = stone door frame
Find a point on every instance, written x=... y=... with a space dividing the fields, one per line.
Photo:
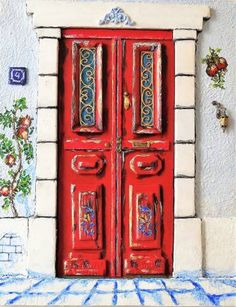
x=49 y=17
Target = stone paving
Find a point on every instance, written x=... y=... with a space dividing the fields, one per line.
x=140 y=291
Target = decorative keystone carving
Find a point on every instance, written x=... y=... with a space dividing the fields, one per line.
x=117 y=16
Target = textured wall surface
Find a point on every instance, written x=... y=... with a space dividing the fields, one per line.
x=216 y=162
x=18 y=47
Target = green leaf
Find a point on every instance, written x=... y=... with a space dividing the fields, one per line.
x=6 y=204
x=4 y=182
x=21 y=141
x=31 y=130
x=28 y=151
x=24 y=183
x=11 y=173
x=7 y=201
x=6 y=119
x=6 y=146
x=20 y=104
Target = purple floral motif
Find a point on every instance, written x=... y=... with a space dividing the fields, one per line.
x=145 y=225
x=88 y=219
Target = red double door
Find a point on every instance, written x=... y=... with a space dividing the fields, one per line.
x=115 y=190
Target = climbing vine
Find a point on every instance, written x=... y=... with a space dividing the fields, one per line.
x=16 y=152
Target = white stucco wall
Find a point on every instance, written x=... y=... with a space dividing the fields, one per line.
x=18 y=48
x=216 y=151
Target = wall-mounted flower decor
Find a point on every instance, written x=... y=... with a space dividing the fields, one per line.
x=15 y=149
x=216 y=67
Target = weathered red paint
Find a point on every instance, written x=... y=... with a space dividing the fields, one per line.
x=125 y=175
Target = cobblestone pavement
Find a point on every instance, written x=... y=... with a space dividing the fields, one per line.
x=140 y=291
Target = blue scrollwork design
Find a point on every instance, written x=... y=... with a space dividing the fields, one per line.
x=147 y=90
x=87 y=86
x=117 y=16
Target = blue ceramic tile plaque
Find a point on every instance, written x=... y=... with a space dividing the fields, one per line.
x=17 y=75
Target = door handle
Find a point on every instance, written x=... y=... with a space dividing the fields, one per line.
x=127 y=102
x=147 y=165
x=87 y=165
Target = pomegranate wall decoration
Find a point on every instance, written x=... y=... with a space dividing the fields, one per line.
x=16 y=151
x=216 y=67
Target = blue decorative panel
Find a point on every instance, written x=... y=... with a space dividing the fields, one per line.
x=147 y=89
x=17 y=75
x=87 y=86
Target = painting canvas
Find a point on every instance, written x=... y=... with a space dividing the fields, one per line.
x=117 y=154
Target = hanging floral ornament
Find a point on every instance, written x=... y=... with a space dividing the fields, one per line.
x=216 y=67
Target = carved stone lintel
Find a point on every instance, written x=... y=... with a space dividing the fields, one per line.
x=117 y=16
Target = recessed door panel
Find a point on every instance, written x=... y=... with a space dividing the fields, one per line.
x=85 y=188
x=87 y=219
x=146 y=92
x=87 y=57
x=145 y=211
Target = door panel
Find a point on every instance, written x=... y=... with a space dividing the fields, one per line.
x=159 y=97
x=147 y=213
x=87 y=157
x=147 y=146
x=115 y=181
x=87 y=219
x=146 y=92
x=144 y=217
x=87 y=104
x=87 y=92
x=86 y=191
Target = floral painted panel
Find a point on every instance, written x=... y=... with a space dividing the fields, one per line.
x=145 y=218
x=88 y=223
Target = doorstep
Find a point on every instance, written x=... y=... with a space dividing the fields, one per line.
x=135 y=292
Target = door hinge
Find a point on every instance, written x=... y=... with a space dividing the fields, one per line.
x=118 y=144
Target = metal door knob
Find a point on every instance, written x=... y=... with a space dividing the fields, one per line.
x=127 y=102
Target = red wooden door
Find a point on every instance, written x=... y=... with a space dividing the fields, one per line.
x=115 y=191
